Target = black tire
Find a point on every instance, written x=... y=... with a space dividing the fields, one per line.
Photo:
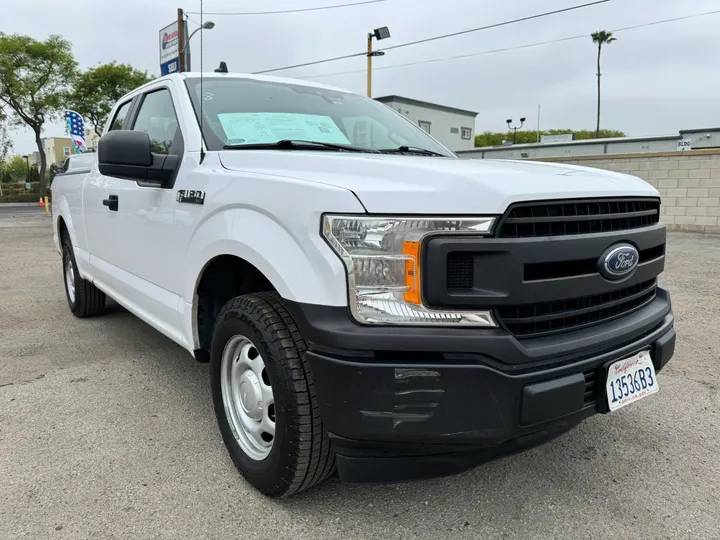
x=89 y=300
x=301 y=456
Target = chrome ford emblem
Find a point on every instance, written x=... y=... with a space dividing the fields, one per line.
x=618 y=262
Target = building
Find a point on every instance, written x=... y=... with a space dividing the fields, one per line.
x=455 y=128
x=57 y=149
x=688 y=139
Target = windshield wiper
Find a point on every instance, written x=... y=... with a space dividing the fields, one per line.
x=411 y=150
x=295 y=144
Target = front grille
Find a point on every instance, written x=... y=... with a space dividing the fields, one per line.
x=580 y=267
x=533 y=320
x=527 y=220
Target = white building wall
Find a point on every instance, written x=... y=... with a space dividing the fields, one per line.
x=441 y=124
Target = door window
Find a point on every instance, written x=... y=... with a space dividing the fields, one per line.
x=157 y=118
x=120 y=116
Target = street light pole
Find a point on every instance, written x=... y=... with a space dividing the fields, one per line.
x=378 y=33
x=209 y=25
x=509 y=121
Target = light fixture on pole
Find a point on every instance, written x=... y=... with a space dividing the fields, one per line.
x=509 y=121
x=209 y=25
x=378 y=33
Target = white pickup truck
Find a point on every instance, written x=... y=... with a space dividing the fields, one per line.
x=368 y=302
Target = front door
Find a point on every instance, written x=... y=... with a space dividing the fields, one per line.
x=152 y=228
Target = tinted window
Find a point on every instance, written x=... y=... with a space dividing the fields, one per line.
x=157 y=118
x=122 y=112
x=241 y=111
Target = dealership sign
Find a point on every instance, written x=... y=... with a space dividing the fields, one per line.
x=564 y=137
x=169 y=49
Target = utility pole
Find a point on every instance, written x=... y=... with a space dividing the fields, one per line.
x=369 y=65
x=181 y=39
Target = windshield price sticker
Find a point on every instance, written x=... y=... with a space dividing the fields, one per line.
x=260 y=128
x=630 y=380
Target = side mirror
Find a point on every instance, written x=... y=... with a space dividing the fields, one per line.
x=128 y=154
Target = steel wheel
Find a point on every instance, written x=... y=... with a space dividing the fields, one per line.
x=248 y=397
x=70 y=279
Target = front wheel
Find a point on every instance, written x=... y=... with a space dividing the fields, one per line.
x=264 y=397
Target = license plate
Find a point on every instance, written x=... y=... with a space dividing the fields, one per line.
x=630 y=379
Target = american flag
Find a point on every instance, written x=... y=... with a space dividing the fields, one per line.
x=76 y=127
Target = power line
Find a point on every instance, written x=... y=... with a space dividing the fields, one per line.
x=517 y=47
x=496 y=25
x=290 y=10
x=311 y=63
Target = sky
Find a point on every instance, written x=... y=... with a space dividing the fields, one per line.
x=656 y=79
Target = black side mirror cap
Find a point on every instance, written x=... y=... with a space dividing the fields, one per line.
x=128 y=154
x=125 y=147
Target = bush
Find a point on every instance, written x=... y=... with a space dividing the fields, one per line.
x=24 y=198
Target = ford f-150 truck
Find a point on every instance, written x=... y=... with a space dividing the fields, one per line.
x=368 y=302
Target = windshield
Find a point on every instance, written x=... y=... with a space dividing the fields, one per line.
x=246 y=111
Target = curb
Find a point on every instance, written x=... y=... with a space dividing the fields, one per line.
x=16 y=204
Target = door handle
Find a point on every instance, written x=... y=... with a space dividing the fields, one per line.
x=111 y=202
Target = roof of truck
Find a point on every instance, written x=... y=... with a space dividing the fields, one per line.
x=251 y=76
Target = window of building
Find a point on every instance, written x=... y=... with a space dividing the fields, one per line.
x=466 y=133
x=66 y=151
x=425 y=126
x=120 y=116
x=157 y=119
x=454 y=131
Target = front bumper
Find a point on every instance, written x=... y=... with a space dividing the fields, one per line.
x=397 y=410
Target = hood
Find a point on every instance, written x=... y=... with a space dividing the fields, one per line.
x=430 y=185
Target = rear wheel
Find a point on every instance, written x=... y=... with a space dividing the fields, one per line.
x=84 y=299
x=264 y=397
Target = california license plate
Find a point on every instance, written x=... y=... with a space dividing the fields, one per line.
x=630 y=379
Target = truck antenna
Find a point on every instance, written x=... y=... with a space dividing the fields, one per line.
x=202 y=96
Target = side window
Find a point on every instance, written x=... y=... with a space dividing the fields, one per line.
x=120 y=116
x=157 y=118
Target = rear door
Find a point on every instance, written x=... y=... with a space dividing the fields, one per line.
x=101 y=221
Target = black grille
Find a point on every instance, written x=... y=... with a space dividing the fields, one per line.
x=526 y=220
x=460 y=271
x=534 y=320
x=579 y=267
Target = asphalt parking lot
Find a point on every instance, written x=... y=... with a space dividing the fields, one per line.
x=107 y=431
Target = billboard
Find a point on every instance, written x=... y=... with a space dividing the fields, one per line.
x=170 y=49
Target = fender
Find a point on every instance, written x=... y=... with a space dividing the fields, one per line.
x=298 y=263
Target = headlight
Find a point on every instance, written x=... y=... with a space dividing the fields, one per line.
x=382 y=258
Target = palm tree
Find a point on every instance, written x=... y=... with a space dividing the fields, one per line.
x=600 y=38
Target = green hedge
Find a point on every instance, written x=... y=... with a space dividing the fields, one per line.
x=25 y=197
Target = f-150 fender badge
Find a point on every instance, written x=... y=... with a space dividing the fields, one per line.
x=191 y=196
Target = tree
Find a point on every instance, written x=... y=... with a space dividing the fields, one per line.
x=99 y=88
x=490 y=138
x=35 y=78
x=5 y=141
x=53 y=172
x=17 y=167
x=603 y=37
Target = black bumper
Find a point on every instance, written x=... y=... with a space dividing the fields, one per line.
x=403 y=403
